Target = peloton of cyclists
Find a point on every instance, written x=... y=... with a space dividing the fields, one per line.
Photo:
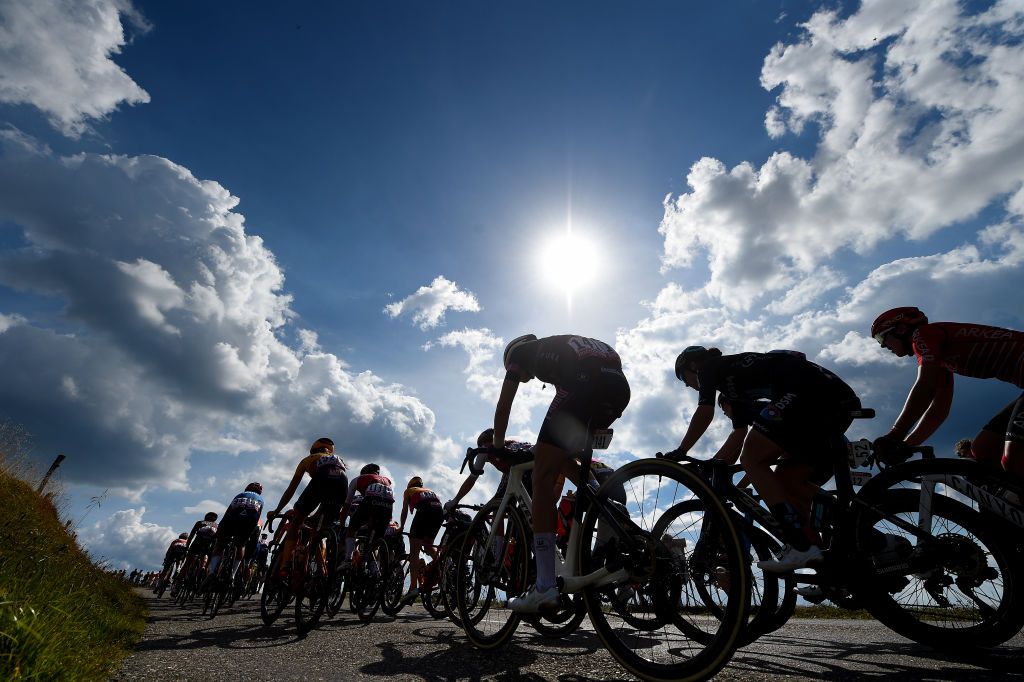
x=591 y=390
x=943 y=349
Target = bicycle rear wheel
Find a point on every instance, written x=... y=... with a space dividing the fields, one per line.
x=960 y=588
x=658 y=623
x=311 y=598
x=489 y=574
x=276 y=594
x=395 y=587
x=375 y=571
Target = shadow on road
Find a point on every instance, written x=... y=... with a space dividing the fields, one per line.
x=827 y=660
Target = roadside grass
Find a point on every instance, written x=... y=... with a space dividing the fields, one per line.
x=61 y=617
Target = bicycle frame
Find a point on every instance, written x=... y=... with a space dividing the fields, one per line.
x=565 y=569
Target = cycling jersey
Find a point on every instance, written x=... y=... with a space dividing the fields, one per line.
x=375 y=489
x=972 y=350
x=322 y=464
x=414 y=497
x=176 y=551
x=241 y=517
x=201 y=536
x=591 y=389
x=801 y=406
x=563 y=360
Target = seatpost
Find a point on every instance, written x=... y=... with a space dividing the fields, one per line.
x=586 y=459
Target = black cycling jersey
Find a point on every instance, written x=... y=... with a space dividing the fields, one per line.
x=746 y=378
x=567 y=359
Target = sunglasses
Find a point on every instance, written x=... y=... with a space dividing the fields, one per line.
x=880 y=336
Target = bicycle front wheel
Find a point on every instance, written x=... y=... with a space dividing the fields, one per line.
x=489 y=573
x=275 y=595
x=673 y=617
x=396 y=585
x=375 y=568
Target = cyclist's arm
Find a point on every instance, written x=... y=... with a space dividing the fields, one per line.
x=702 y=418
x=467 y=485
x=504 y=407
x=192 y=534
x=730 y=450
x=290 y=490
x=405 y=510
x=936 y=412
x=929 y=379
x=347 y=507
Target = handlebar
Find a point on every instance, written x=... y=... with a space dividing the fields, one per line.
x=730 y=468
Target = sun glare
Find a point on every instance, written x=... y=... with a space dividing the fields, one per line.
x=570 y=262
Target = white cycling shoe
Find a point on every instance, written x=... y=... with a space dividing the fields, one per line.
x=791 y=559
x=535 y=602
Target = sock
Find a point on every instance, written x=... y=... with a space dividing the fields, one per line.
x=792 y=525
x=544 y=549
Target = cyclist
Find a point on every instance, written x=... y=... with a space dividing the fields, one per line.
x=591 y=390
x=374 y=510
x=483 y=440
x=943 y=349
x=199 y=543
x=172 y=558
x=798 y=412
x=242 y=515
x=428 y=519
x=326 y=489
x=260 y=560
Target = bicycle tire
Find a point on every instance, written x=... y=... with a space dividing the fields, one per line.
x=394 y=588
x=447 y=579
x=275 y=595
x=772 y=598
x=966 y=539
x=376 y=578
x=488 y=576
x=675 y=657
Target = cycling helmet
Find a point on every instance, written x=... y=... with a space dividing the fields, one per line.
x=690 y=354
x=321 y=445
x=254 y=487
x=370 y=468
x=210 y=516
x=514 y=350
x=183 y=536
x=901 y=320
x=485 y=437
x=415 y=482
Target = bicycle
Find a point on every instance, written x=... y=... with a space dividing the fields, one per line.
x=311 y=574
x=959 y=550
x=368 y=574
x=219 y=587
x=678 y=638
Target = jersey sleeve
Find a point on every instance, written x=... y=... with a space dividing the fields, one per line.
x=706 y=392
x=927 y=344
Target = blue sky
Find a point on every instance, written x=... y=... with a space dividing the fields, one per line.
x=206 y=210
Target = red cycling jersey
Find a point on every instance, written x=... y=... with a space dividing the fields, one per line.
x=372 y=487
x=972 y=350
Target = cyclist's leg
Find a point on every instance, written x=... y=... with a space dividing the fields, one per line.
x=1013 y=450
x=990 y=445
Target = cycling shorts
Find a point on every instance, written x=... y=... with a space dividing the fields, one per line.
x=328 y=492
x=427 y=522
x=236 y=528
x=375 y=516
x=596 y=398
x=809 y=428
x=1009 y=421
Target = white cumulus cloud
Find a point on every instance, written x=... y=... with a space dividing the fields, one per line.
x=428 y=304
x=57 y=55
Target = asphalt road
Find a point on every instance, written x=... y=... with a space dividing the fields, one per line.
x=182 y=644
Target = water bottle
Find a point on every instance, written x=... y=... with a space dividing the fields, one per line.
x=821 y=510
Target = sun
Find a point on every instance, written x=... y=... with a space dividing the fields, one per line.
x=570 y=262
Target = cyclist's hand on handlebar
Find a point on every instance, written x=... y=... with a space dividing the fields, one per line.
x=674 y=455
x=890 y=449
x=272 y=514
x=448 y=506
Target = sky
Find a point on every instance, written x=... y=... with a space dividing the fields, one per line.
x=227 y=229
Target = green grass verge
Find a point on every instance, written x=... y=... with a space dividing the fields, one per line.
x=831 y=612
x=61 y=617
